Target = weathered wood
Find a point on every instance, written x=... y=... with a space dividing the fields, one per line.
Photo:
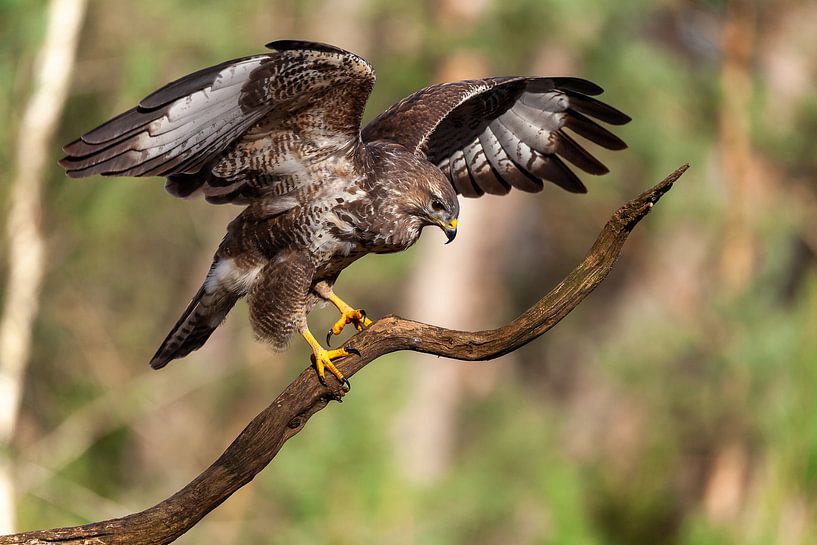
x=261 y=440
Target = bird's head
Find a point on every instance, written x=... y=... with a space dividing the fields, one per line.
x=419 y=190
x=437 y=203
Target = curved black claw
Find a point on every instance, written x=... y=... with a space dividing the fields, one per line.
x=322 y=380
x=363 y=313
x=329 y=338
x=351 y=350
x=346 y=384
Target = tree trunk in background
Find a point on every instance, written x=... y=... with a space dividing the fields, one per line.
x=724 y=488
x=26 y=244
x=737 y=45
x=446 y=289
x=456 y=286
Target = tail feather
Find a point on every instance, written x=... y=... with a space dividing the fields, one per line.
x=201 y=317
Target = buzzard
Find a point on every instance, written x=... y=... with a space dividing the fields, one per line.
x=279 y=134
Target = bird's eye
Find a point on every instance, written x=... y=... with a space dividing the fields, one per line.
x=437 y=205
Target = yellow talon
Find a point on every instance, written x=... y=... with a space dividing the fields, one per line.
x=351 y=316
x=348 y=315
x=322 y=358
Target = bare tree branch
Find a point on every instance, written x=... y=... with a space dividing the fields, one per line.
x=261 y=440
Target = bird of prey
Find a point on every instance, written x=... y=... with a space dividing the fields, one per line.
x=279 y=134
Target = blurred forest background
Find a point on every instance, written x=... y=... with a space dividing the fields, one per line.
x=676 y=405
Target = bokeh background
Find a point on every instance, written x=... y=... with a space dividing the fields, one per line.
x=676 y=405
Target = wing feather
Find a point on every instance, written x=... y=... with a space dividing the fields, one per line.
x=167 y=125
x=548 y=142
x=596 y=108
x=504 y=163
x=536 y=165
x=235 y=125
x=550 y=167
x=250 y=127
x=573 y=152
x=121 y=126
x=543 y=120
x=509 y=131
x=184 y=87
x=482 y=172
x=461 y=177
x=594 y=132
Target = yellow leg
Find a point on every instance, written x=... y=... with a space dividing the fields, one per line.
x=348 y=315
x=322 y=358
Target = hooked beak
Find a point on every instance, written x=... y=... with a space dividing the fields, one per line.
x=450 y=230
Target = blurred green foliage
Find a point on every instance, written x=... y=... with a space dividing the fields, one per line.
x=673 y=407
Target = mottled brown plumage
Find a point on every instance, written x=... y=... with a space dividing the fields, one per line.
x=280 y=134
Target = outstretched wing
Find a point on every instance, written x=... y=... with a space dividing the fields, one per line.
x=493 y=134
x=239 y=129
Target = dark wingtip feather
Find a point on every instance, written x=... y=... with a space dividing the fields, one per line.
x=574 y=185
x=578 y=188
x=74 y=175
x=183 y=86
x=114 y=128
x=564 y=177
x=577 y=155
x=294 y=45
x=578 y=85
x=594 y=132
x=596 y=108
x=67 y=148
x=567 y=83
x=622 y=118
x=158 y=362
x=69 y=164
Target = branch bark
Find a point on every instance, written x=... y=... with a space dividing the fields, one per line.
x=261 y=440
